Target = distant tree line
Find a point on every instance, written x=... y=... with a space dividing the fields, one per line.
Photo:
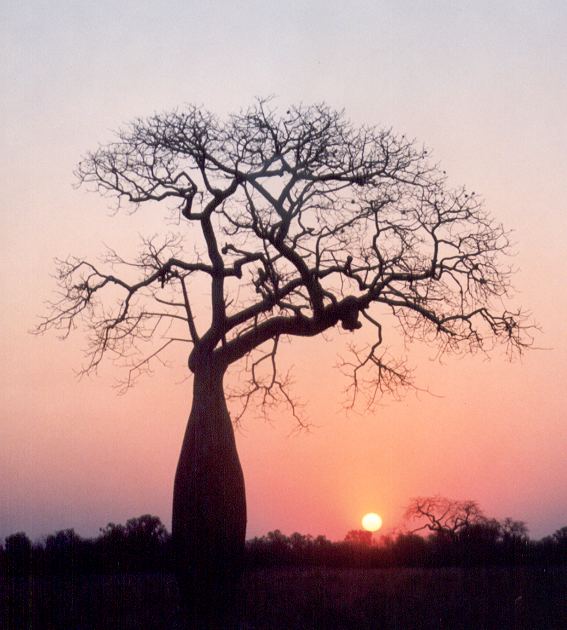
x=144 y=545
x=478 y=545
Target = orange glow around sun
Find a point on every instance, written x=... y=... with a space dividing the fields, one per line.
x=372 y=522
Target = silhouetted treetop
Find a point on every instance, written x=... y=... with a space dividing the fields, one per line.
x=442 y=515
x=359 y=537
x=300 y=221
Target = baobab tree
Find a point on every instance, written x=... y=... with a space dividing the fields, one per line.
x=289 y=224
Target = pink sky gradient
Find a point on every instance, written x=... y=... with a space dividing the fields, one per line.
x=483 y=86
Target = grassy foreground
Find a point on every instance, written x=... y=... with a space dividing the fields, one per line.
x=318 y=598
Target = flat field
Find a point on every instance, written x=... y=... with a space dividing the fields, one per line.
x=291 y=598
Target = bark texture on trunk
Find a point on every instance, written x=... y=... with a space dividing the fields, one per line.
x=209 y=508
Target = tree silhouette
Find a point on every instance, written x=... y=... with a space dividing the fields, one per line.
x=18 y=553
x=62 y=550
x=136 y=546
x=359 y=537
x=289 y=225
x=444 y=517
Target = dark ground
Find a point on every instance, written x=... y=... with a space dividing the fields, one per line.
x=318 y=598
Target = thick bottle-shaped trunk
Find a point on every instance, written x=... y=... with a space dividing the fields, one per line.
x=209 y=505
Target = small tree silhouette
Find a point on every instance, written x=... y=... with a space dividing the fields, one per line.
x=18 y=553
x=442 y=516
x=136 y=546
x=359 y=537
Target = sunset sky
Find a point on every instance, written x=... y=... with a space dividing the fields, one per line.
x=482 y=84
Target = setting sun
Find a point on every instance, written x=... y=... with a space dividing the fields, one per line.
x=372 y=522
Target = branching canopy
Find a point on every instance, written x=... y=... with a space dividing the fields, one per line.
x=297 y=221
x=443 y=516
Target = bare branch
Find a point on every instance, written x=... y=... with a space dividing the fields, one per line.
x=267 y=388
x=443 y=516
x=297 y=222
